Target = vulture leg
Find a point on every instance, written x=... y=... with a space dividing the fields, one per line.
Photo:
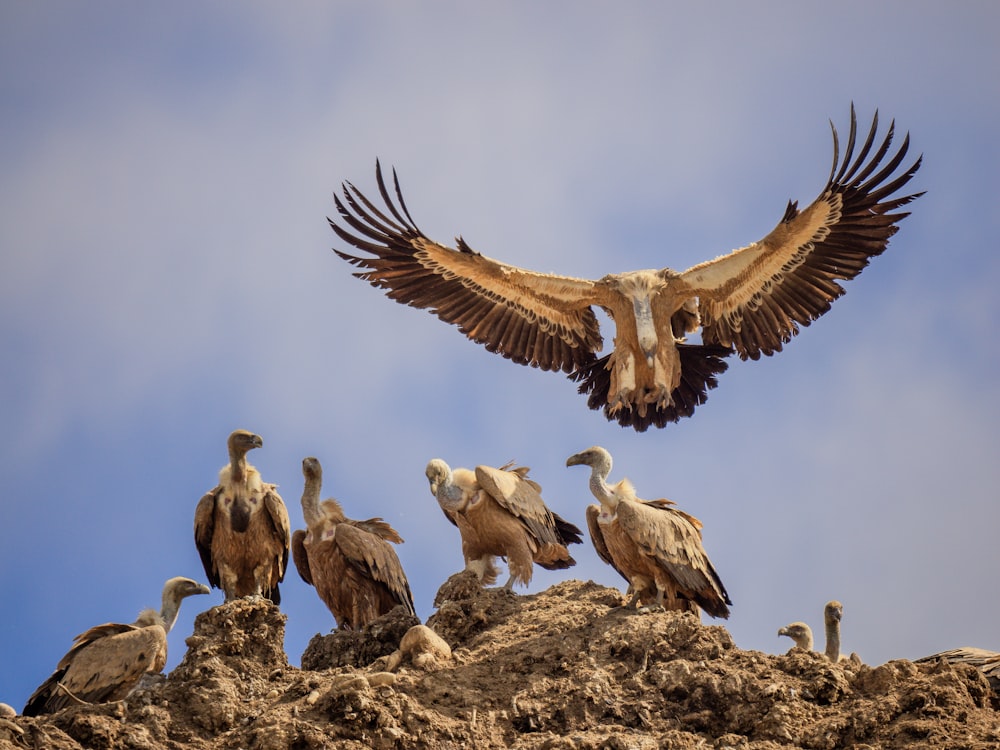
x=229 y=578
x=657 y=606
x=622 y=381
x=635 y=597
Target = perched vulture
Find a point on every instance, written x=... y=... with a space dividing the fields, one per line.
x=108 y=660
x=751 y=301
x=500 y=512
x=654 y=546
x=352 y=565
x=833 y=613
x=799 y=632
x=987 y=662
x=241 y=528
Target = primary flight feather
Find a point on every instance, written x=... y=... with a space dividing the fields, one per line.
x=751 y=301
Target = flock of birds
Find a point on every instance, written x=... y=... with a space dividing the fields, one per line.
x=750 y=302
x=243 y=534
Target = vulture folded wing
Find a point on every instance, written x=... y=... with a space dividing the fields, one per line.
x=204 y=527
x=111 y=666
x=379 y=528
x=300 y=557
x=450 y=516
x=278 y=514
x=670 y=539
x=597 y=537
x=530 y=318
x=376 y=560
x=664 y=504
x=103 y=665
x=755 y=298
x=520 y=497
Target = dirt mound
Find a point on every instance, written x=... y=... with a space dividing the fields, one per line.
x=564 y=668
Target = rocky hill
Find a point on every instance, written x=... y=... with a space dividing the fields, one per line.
x=563 y=668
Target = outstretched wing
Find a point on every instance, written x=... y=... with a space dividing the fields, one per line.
x=531 y=318
x=755 y=298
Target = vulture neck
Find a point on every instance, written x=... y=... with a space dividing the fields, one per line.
x=310 y=499
x=833 y=639
x=168 y=610
x=238 y=462
x=450 y=495
x=599 y=471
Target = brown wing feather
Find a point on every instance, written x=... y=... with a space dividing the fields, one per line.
x=379 y=528
x=530 y=318
x=103 y=665
x=520 y=497
x=675 y=544
x=278 y=514
x=755 y=298
x=376 y=560
x=597 y=537
x=204 y=528
x=300 y=557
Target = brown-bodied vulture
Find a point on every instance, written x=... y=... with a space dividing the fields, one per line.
x=241 y=528
x=654 y=546
x=108 y=660
x=355 y=570
x=751 y=301
x=499 y=512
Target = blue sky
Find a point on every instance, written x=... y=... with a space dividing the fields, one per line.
x=166 y=276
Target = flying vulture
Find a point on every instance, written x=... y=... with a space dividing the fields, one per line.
x=241 y=528
x=500 y=512
x=352 y=565
x=751 y=301
x=654 y=546
x=108 y=660
x=799 y=632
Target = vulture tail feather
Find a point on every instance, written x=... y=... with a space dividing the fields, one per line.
x=700 y=364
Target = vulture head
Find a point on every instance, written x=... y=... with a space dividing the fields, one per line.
x=175 y=591
x=595 y=457
x=800 y=633
x=312 y=469
x=450 y=495
x=242 y=442
x=313 y=473
x=599 y=461
x=437 y=473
